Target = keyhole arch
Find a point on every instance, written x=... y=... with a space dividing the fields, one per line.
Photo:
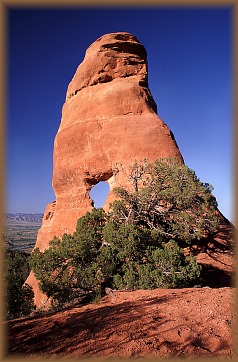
x=99 y=193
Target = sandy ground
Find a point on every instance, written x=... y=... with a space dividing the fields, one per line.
x=154 y=323
x=184 y=323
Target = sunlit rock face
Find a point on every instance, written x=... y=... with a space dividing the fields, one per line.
x=109 y=120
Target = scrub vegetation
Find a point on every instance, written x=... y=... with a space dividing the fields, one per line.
x=139 y=243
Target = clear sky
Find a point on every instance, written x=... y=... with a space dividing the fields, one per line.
x=190 y=77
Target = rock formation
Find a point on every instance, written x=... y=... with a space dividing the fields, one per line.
x=109 y=120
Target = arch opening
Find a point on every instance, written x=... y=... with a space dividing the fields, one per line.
x=99 y=193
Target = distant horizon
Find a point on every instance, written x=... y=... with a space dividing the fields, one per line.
x=42 y=213
x=24 y=213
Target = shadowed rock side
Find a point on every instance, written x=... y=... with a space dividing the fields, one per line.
x=109 y=119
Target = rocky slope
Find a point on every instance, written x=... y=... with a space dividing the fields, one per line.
x=183 y=323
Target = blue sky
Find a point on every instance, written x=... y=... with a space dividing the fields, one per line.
x=190 y=77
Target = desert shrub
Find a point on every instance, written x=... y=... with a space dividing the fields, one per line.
x=19 y=297
x=143 y=260
x=68 y=268
x=138 y=244
x=167 y=267
x=123 y=257
x=170 y=199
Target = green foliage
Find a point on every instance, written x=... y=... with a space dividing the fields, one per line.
x=171 y=200
x=138 y=243
x=142 y=260
x=69 y=267
x=19 y=297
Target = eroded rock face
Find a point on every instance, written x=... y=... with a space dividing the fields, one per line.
x=109 y=120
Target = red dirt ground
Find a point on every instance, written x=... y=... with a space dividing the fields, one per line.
x=154 y=323
x=184 y=323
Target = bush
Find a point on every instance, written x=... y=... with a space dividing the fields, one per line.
x=143 y=261
x=69 y=268
x=138 y=243
x=171 y=200
x=19 y=297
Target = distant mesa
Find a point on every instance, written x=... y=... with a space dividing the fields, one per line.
x=109 y=119
x=22 y=217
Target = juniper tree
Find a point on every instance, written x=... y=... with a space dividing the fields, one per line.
x=19 y=296
x=68 y=267
x=171 y=200
x=137 y=244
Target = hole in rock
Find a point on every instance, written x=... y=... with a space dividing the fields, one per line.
x=99 y=193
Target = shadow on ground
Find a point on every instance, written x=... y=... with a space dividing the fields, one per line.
x=136 y=328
